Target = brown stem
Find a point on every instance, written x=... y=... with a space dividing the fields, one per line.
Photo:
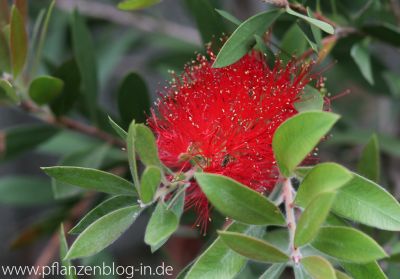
x=71 y=124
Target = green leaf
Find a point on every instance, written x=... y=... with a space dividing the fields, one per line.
x=42 y=37
x=300 y=273
x=63 y=252
x=313 y=217
x=25 y=191
x=238 y=201
x=253 y=248
x=318 y=267
x=132 y=155
x=92 y=179
x=130 y=5
x=162 y=224
x=8 y=91
x=324 y=177
x=121 y=132
x=310 y=99
x=18 y=41
x=241 y=41
x=228 y=16
x=103 y=232
x=273 y=272
x=44 y=89
x=104 y=208
x=209 y=23
x=145 y=145
x=296 y=138
x=261 y=46
x=218 y=261
x=133 y=99
x=293 y=42
x=17 y=140
x=384 y=31
x=68 y=72
x=91 y=157
x=348 y=244
x=364 y=201
x=318 y=23
x=84 y=51
x=151 y=179
x=369 y=164
x=363 y=271
x=362 y=58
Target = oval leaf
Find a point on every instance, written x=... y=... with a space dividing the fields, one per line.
x=318 y=267
x=366 y=270
x=103 y=232
x=253 y=248
x=297 y=137
x=348 y=244
x=364 y=201
x=145 y=145
x=313 y=217
x=151 y=178
x=325 y=177
x=240 y=42
x=238 y=201
x=45 y=89
x=92 y=179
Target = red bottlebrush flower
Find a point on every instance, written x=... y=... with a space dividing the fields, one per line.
x=224 y=119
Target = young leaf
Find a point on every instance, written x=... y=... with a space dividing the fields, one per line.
x=103 y=232
x=84 y=51
x=240 y=42
x=145 y=145
x=369 y=164
x=92 y=179
x=318 y=267
x=361 y=56
x=130 y=5
x=131 y=142
x=121 y=132
x=8 y=91
x=101 y=210
x=364 y=201
x=253 y=248
x=218 y=261
x=318 y=23
x=18 y=41
x=25 y=191
x=238 y=201
x=313 y=217
x=151 y=179
x=297 y=136
x=273 y=272
x=133 y=99
x=44 y=89
x=63 y=252
x=365 y=270
x=348 y=244
x=162 y=224
x=325 y=177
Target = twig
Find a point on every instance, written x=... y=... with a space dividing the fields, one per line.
x=290 y=219
x=71 y=124
x=141 y=22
